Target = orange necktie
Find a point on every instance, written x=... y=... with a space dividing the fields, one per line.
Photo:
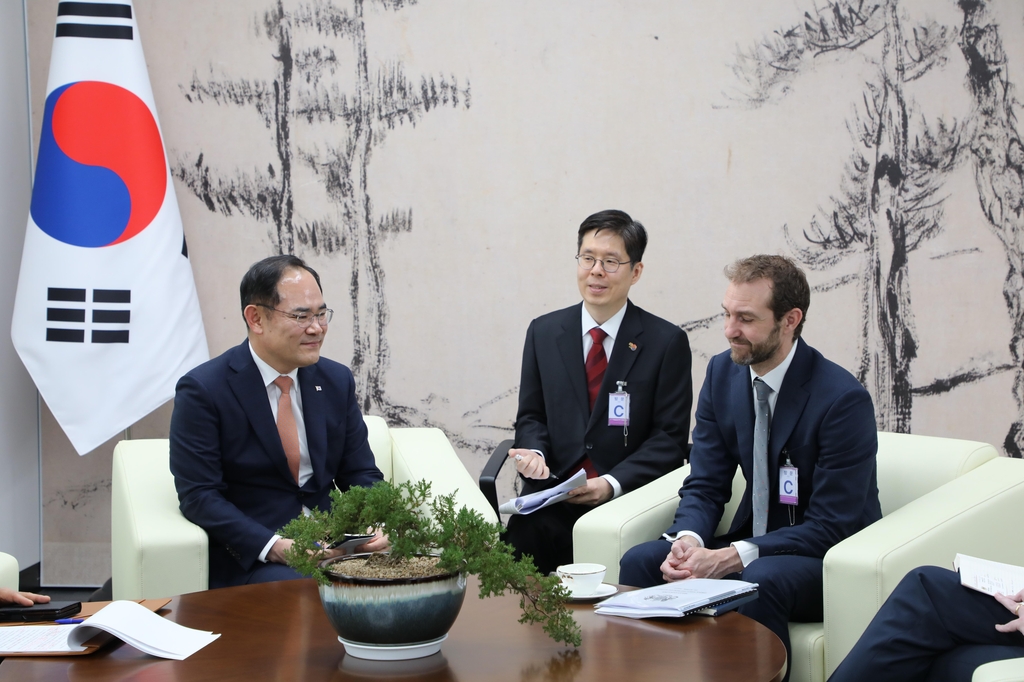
x=286 y=425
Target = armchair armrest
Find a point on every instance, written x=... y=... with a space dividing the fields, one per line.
x=966 y=515
x=490 y=473
x=155 y=551
x=1011 y=670
x=604 y=534
x=8 y=571
x=419 y=453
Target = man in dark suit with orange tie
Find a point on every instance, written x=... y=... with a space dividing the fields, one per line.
x=265 y=431
x=574 y=362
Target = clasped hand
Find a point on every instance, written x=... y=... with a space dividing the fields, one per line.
x=687 y=559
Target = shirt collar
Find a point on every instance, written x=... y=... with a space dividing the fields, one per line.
x=269 y=373
x=611 y=325
x=775 y=377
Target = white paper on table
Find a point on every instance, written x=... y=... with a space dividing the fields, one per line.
x=127 y=620
x=144 y=630
x=36 y=638
x=527 y=504
x=989 y=576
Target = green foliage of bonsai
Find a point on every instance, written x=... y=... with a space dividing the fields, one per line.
x=418 y=524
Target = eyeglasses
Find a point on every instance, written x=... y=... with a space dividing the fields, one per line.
x=323 y=318
x=609 y=265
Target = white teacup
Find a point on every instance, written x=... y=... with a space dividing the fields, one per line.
x=582 y=580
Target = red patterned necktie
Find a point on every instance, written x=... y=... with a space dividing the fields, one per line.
x=597 y=363
x=286 y=426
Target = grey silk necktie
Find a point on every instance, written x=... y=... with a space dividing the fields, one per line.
x=762 y=422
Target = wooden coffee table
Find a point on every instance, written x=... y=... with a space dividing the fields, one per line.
x=278 y=631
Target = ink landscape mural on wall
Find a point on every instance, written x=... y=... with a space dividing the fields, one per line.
x=892 y=189
x=432 y=160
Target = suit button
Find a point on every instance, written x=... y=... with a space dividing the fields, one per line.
x=590 y=446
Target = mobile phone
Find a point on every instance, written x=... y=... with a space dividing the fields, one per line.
x=37 y=613
x=350 y=541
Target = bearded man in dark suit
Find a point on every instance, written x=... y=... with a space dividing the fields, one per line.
x=801 y=428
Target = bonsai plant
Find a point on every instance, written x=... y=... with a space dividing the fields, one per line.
x=428 y=537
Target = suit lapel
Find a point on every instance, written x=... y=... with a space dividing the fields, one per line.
x=742 y=400
x=790 y=404
x=570 y=346
x=315 y=421
x=623 y=357
x=250 y=392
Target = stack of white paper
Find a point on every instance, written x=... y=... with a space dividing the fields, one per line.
x=527 y=504
x=677 y=598
x=126 y=620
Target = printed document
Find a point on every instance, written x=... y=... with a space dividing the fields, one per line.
x=989 y=576
x=527 y=504
x=126 y=620
x=676 y=599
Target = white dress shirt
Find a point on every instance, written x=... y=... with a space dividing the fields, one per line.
x=748 y=550
x=269 y=374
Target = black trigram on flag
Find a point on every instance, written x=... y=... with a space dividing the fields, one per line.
x=70 y=308
x=93 y=10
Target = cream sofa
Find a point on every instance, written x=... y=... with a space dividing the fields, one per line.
x=156 y=552
x=8 y=571
x=939 y=496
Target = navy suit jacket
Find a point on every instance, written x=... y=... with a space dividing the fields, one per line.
x=823 y=421
x=229 y=466
x=650 y=354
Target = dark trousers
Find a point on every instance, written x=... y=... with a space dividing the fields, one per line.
x=271 y=573
x=546 y=535
x=789 y=587
x=931 y=628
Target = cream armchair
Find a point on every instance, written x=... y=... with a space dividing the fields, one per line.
x=156 y=552
x=931 y=492
x=8 y=571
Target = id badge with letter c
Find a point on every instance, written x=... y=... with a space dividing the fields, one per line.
x=788 y=485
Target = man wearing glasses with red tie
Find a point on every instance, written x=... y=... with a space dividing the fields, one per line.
x=264 y=431
x=605 y=387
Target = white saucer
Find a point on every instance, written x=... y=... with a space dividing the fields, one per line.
x=605 y=590
x=384 y=652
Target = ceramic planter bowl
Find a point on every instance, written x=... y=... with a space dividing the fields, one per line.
x=391 y=619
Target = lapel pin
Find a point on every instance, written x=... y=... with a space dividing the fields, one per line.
x=317 y=388
x=632 y=346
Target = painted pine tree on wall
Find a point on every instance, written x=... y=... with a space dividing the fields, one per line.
x=313 y=44
x=997 y=155
x=889 y=201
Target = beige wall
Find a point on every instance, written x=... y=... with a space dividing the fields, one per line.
x=573 y=107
